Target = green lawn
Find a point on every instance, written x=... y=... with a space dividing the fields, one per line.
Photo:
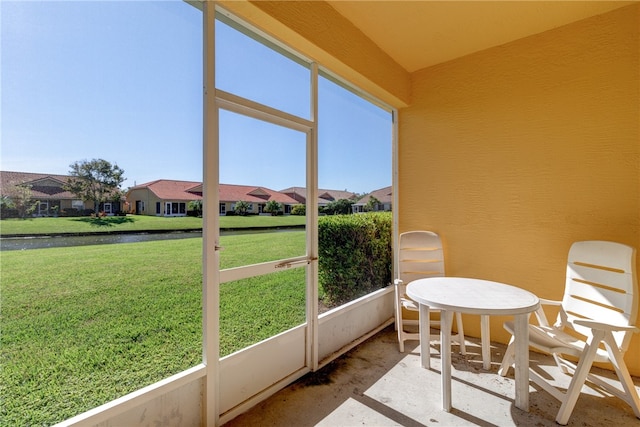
x=136 y=223
x=82 y=326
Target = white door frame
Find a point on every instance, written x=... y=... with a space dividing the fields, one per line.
x=214 y=100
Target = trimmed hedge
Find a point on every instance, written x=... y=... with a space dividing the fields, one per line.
x=354 y=255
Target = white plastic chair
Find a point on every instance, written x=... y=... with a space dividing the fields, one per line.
x=420 y=256
x=595 y=323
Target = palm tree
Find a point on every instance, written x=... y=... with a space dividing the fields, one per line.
x=196 y=205
x=242 y=207
x=273 y=207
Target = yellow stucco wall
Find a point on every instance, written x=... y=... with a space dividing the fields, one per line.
x=515 y=152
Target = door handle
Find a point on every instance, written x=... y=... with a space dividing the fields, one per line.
x=289 y=264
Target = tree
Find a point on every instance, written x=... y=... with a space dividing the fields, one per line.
x=19 y=197
x=273 y=207
x=196 y=206
x=6 y=202
x=372 y=204
x=96 y=180
x=242 y=207
x=338 y=207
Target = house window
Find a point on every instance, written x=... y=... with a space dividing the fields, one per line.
x=223 y=208
x=176 y=208
x=77 y=204
x=158 y=208
x=43 y=208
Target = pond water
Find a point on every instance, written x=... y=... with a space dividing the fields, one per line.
x=23 y=243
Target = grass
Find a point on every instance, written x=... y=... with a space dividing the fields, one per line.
x=136 y=223
x=82 y=326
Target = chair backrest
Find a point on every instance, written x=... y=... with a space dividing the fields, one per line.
x=420 y=255
x=601 y=285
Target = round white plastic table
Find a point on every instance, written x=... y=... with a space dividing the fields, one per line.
x=474 y=296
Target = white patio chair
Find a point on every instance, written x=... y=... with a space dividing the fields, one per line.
x=420 y=256
x=595 y=323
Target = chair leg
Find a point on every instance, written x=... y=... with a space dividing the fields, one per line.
x=508 y=359
x=400 y=336
x=630 y=394
x=398 y=323
x=579 y=377
x=463 y=347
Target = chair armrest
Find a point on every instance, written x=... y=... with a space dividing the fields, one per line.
x=605 y=326
x=544 y=301
x=540 y=314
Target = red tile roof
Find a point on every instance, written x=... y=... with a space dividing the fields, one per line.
x=166 y=189
x=234 y=193
x=384 y=195
x=324 y=196
x=44 y=186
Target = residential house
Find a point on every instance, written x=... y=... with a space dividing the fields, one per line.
x=382 y=201
x=256 y=197
x=48 y=191
x=324 y=196
x=166 y=197
x=163 y=197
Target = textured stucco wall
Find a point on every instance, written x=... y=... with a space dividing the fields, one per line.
x=515 y=152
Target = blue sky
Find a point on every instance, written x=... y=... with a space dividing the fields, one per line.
x=122 y=81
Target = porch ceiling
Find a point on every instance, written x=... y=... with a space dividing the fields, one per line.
x=418 y=34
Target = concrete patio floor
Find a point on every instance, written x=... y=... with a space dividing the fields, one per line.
x=376 y=385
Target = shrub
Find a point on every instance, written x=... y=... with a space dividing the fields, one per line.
x=354 y=255
x=72 y=212
x=7 y=212
x=299 y=210
x=337 y=207
x=273 y=207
